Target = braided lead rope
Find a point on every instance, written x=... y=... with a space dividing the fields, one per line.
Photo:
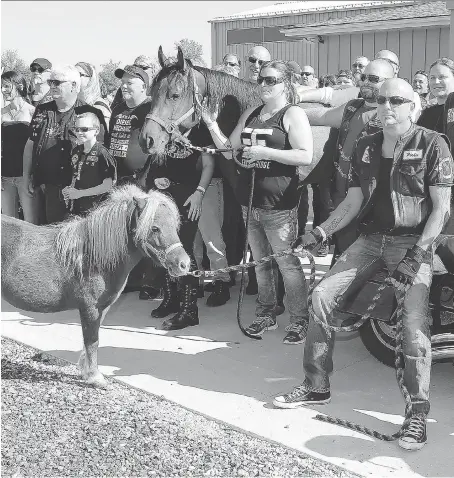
x=399 y=365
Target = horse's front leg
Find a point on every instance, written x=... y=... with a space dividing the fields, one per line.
x=90 y=320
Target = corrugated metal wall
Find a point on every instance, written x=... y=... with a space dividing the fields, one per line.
x=417 y=48
x=300 y=51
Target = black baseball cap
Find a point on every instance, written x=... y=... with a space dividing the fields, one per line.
x=42 y=62
x=134 y=71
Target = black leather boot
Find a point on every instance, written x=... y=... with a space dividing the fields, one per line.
x=220 y=294
x=170 y=302
x=189 y=312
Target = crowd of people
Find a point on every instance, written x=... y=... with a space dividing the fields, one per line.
x=66 y=143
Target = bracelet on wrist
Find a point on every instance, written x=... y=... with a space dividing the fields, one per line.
x=322 y=232
x=201 y=189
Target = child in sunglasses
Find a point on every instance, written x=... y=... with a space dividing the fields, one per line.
x=94 y=170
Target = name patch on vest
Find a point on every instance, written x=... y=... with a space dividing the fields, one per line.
x=413 y=154
x=450 y=115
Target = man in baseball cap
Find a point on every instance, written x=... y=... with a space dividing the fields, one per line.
x=134 y=71
x=39 y=89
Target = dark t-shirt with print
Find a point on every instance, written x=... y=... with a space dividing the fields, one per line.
x=90 y=170
x=184 y=170
x=432 y=118
x=123 y=141
x=51 y=132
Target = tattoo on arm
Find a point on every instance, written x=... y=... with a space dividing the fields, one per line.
x=330 y=226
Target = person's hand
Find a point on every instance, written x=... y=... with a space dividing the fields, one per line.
x=310 y=240
x=28 y=186
x=250 y=155
x=403 y=276
x=209 y=117
x=195 y=205
x=70 y=193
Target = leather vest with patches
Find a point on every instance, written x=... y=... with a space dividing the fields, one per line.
x=343 y=164
x=448 y=120
x=409 y=191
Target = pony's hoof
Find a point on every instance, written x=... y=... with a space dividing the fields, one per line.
x=97 y=381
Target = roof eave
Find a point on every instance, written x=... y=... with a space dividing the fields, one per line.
x=299 y=11
x=360 y=27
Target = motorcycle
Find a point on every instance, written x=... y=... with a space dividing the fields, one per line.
x=378 y=333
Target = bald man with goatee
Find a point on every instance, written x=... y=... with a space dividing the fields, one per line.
x=400 y=193
x=256 y=56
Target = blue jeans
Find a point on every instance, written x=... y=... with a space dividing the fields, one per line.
x=354 y=267
x=210 y=230
x=271 y=232
x=13 y=193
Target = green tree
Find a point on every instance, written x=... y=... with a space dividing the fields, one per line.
x=12 y=61
x=107 y=76
x=192 y=50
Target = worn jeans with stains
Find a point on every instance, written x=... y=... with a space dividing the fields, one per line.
x=210 y=230
x=354 y=267
x=271 y=232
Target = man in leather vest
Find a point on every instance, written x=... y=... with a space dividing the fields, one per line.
x=356 y=118
x=399 y=191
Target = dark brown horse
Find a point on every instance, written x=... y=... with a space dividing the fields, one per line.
x=84 y=263
x=177 y=93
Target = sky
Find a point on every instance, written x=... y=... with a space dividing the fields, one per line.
x=96 y=31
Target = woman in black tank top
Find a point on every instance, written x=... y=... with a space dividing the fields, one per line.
x=16 y=118
x=277 y=139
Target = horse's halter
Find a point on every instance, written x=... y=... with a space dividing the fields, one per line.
x=178 y=145
x=149 y=250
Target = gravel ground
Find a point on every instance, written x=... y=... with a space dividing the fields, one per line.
x=55 y=425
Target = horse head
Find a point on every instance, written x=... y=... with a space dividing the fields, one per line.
x=176 y=95
x=157 y=221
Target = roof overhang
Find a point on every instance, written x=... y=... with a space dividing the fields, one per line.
x=361 y=27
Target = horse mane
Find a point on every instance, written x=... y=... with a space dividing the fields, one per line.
x=220 y=85
x=99 y=241
x=221 y=88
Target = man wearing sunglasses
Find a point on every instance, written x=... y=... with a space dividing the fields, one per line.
x=256 y=57
x=39 y=89
x=354 y=119
x=390 y=170
x=47 y=154
x=232 y=61
x=308 y=76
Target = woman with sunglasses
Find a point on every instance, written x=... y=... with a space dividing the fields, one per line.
x=16 y=118
x=441 y=84
x=90 y=89
x=275 y=138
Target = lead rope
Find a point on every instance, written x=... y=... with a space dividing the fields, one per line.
x=399 y=366
x=243 y=271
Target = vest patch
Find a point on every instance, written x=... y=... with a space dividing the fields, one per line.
x=413 y=154
x=450 y=115
x=445 y=169
x=366 y=157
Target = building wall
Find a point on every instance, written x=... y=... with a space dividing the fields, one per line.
x=417 y=48
x=300 y=51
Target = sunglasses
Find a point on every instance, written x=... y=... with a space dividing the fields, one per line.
x=82 y=129
x=306 y=73
x=269 y=80
x=256 y=60
x=52 y=83
x=393 y=100
x=358 y=65
x=232 y=64
x=37 y=69
x=372 y=78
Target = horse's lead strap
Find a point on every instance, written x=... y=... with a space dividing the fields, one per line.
x=173 y=247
